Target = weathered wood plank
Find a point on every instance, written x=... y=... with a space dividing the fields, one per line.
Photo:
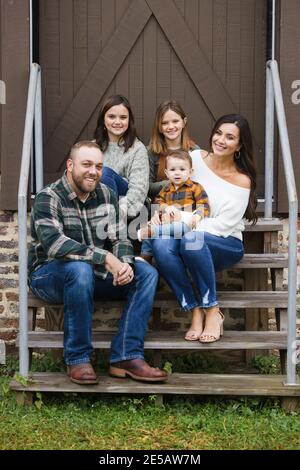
x=220 y=38
x=150 y=76
x=258 y=127
x=97 y=81
x=233 y=53
x=289 y=12
x=192 y=56
x=249 y=299
x=247 y=25
x=14 y=57
x=172 y=340
x=186 y=384
x=264 y=225
x=121 y=81
x=66 y=75
x=262 y=260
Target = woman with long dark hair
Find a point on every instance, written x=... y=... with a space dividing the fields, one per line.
x=227 y=173
x=126 y=167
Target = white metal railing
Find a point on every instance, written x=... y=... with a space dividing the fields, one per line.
x=33 y=116
x=274 y=96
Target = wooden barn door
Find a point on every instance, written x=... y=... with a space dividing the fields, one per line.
x=208 y=54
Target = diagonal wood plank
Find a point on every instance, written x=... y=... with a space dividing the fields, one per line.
x=192 y=57
x=97 y=81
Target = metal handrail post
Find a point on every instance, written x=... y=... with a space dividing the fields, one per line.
x=292 y=295
x=22 y=221
x=269 y=144
x=293 y=224
x=38 y=136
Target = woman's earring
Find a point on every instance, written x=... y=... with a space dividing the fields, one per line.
x=237 y=154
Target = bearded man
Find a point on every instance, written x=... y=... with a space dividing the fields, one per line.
x=69 y=263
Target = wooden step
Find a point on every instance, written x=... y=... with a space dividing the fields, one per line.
x=264 y=225
x=262 y=260
x=185 y=384
x=228 y=299
x=168 y=340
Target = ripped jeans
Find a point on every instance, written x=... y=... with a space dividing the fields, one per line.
x=202 y=255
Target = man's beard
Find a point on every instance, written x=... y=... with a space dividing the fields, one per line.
x=82 y=185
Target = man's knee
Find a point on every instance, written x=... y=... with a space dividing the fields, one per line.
x=81 y=274
x=145 y=271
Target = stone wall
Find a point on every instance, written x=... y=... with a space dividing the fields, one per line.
x=105 y=319
x=8 y=276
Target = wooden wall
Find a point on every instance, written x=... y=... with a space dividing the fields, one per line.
x=208 y=54
x=289 y=57
x=14 y=57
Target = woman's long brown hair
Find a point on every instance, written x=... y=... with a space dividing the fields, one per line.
x=244 y=161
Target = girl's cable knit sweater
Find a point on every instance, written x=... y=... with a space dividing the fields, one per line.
x=133 y=166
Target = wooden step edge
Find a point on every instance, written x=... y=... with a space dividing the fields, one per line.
x=177 y=384
x=262 y=261
x=227 y=299
x=264 y=225
x=232 y=340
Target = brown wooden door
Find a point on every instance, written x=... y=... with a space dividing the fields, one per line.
x=208 y=54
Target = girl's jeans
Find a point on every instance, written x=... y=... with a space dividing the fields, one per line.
x=114 y=181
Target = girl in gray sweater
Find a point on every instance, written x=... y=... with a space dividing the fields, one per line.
x=126 y=166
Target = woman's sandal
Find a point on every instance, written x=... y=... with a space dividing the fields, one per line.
x=193 y=334
x=212 y=336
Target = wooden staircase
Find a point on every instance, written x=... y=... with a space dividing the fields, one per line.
x=261 y=243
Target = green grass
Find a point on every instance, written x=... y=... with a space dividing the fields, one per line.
x=71 y=421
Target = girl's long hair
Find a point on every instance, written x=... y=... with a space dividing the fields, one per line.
x=158 y=144
x=243 y=159
x=101 y=134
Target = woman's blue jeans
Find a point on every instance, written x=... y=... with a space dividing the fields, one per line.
x=201 y=255
x=114 y=181
x=74 y=284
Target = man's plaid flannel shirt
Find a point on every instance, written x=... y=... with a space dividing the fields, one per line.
x=65 y=228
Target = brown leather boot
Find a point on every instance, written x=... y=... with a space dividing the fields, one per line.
x=82 y=374
x=137 y=369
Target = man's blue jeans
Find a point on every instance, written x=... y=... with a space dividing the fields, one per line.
x=202 y=255
x=74 y=284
